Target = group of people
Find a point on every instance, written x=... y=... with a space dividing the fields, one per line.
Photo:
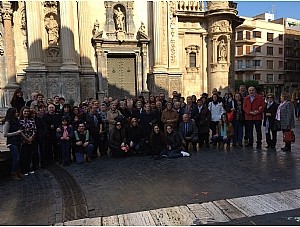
x=42 y=132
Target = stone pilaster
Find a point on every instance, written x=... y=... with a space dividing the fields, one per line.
x=9 y=41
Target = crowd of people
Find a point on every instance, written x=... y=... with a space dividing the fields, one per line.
x=44 y=132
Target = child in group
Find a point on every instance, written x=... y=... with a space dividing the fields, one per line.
x=65 y=134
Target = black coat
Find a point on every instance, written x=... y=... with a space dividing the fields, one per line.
x=41 y=128
x=146 y=122
x=134 y=134
x=52 y=119
x=18 y=103
x=116 y=138
x=272 y=110
x=174 y=140
x=157 y=143
x=202 y=119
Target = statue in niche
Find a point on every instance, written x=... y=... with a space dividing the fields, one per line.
x=96 y=28
x=222 y=51
x=142 y=32
x=52 y=29
x=119 y=19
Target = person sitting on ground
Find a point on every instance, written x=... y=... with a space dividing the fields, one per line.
x=224 y=132
x=189 y=132
x=173 y=148
x=135 y=137
x=156 y=141
x=83 y=143
x=117 y=141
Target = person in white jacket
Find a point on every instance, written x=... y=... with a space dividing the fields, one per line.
x=216 y=108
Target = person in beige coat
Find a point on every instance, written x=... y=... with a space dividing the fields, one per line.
x=169 y=116
x=111 y=115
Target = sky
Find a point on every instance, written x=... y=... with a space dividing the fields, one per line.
x=284 y=9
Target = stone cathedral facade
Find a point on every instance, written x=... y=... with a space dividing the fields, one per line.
x=95 y=48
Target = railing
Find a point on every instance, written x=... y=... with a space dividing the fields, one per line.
x=190 y=6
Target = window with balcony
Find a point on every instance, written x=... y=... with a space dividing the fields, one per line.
x=270 y=64
x=256 y=63
x=270 y=37
x=257 y=49
x=248 y=49
x=192 y=57
x=239 y=50
x=239 y=64
x=280 y=37
x=256 y=77
x=256 y=34
x=270 y=78
x=280 y=64
x=248 y=35
x=280 y=50
x=239 y=35
x=270 y=50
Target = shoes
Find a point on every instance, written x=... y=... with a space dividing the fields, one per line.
x=89 y=159
x=20 y=175
x=258 y=147
x=26 y=174
x=31 y=172
x=267 y=146
x=249 y=145
x=14 y=176
x=286 y=149
x=272 y=147
x=283 y=148
x=185 y=154
x=241 y=145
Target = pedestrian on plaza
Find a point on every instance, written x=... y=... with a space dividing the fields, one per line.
x=117 y=141
x=238 y=120
x=12 y=131
x=29 y=145
x=173 y=147
x=64 y=134
x=286 y=115
x=254 y=105
x=216 y=109
x=156 y=141
x=17 y=100
x=269 y=121
x=189 y=132
x=83 y=143
x=202 y=119
x=224 y=133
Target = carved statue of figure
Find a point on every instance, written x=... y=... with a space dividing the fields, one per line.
x=96 y=28
x=52 y=29
x=222 y=51
x=119 y=19
x=142 y=31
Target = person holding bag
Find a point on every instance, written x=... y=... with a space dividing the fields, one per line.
x=285 y=114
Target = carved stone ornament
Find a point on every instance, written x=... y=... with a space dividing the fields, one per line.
x=119 y=18
x=222 y=51
x=52 y=28
x=23 y=22
x=1 y=45
x=53 y=51
x=120 y=35
x=141 y=34
x=213 y=5
x=96 y=28
x=220 y=26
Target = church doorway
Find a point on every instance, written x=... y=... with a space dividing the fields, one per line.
x=121 y=76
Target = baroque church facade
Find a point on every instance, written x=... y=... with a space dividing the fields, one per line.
x=95 y=48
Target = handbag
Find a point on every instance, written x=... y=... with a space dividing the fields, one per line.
x=289 y=137
x=230 y=116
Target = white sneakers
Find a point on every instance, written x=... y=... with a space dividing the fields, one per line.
x=185 y=154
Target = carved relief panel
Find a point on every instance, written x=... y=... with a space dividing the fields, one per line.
x=175 y=84
x=87 y=87
x=220 y=26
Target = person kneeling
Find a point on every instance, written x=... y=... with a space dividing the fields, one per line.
x=224 y=132
x=117 y=141
x=83 y=143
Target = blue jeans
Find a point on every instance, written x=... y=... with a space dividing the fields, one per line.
x=65 y=151
x=238 y=127
x=220 y=139
x=87 y=150
x=15 y=153
x=175 y=153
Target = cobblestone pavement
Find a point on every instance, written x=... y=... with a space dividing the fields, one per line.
x=134 y=184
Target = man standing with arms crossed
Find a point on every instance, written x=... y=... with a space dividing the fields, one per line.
x=254 y=106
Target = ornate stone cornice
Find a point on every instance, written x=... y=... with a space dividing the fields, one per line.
x=6 y=12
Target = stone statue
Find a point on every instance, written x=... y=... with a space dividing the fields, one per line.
x=52 y=29
x=142 y=32
x=119 y=19
x=96 y=28
x=222 y=51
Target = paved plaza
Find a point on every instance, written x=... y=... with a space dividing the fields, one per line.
x=243 y=186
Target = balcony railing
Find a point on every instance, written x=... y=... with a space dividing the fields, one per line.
x=247 y=68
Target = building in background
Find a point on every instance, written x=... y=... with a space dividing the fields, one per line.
x=260 y=52
x=83 y=49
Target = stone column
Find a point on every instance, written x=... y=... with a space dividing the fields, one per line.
x=9 y=41
x=144 y=68
x=67 y=36
x=35 y=51
x=85 y=37
x=158 y=61
x=204 y=63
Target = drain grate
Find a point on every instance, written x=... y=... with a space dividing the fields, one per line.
x=74 y=202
